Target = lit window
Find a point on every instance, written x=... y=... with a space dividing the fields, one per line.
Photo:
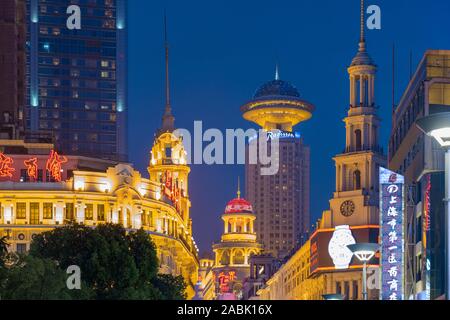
x=48 y=210
x=89 y=212
x=105 y=74
x=21 y=210
x=105 y=64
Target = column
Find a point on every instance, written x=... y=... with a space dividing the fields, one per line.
x=362 y=87
x=338 y=169
x=225 y=226
x=352 y=90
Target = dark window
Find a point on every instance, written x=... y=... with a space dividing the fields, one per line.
x=69 y=211
x=355 y=290
x=21 y=247
x=24 y=175
x=357 y=179
x=338 y=288
x=358 y=142
x=347 y=290
x=101 y=212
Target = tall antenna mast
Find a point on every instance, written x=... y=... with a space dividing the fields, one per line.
x=362 y=36
x=168 y=119
x=239 y=188
x=166 y=46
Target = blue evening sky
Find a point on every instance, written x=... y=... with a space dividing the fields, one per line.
x=222 y=50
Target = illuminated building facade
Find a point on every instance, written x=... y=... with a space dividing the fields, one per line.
x=281 y=201
x=353 y=216
x=12 y=68
x=292 y=281
x=76 y=78
x=421 y=160
x=206 y=289
x=232 y=253
x=41 y=190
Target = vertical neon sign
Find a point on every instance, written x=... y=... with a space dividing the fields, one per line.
x=392 y=235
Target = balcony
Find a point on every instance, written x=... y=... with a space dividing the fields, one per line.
x=376 y=149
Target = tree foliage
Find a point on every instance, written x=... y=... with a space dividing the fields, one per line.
x=114 y=264
x=38 y=279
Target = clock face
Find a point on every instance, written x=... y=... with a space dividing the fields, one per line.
x=347 y=208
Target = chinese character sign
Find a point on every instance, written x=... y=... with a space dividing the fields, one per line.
x=54 y=165
x=392 y=234
x=32 y=167
x=6 y=169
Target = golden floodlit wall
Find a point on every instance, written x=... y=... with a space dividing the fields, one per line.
x=119 y=195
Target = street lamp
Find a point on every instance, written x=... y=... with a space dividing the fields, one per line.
x=364 y=252
x=438 y=126
x=333 y=296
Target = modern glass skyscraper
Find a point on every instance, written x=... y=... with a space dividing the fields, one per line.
x=12 y=67
x=76 y=75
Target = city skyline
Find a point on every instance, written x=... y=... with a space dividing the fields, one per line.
x=224 y=76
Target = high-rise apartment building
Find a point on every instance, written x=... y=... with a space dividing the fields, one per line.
x=76 y=75
x=12 y=68
x=281 y=201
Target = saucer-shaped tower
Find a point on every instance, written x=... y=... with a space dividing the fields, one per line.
x=277 y=105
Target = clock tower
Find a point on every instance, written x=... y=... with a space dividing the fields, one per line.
x=355 y=201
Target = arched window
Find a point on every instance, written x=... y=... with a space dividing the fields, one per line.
x=225 y=259
x=357 y=180
x=238 y=257
x=358 y=141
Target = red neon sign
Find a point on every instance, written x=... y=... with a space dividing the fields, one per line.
x=54 y=164
x=225 y=279
x=171 y=189
x=32 y=167
x=6 y=170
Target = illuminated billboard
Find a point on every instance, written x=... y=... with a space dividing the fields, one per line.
x=392 y=235
x=329 y=250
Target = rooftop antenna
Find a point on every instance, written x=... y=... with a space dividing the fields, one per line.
x=239 y=188
x=362 y=37
x=168 y=119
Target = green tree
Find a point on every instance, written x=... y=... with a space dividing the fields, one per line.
x=38 y=279
x=3 y=249
x=171 y=288
x=114 y=264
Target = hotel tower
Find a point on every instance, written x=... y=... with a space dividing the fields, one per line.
x=281 y=201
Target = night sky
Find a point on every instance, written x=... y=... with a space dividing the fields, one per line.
x=223 y=50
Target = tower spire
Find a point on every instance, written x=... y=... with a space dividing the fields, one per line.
x=168 y=118
x=362 y=37
x=239 y=188
x=277 y=74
